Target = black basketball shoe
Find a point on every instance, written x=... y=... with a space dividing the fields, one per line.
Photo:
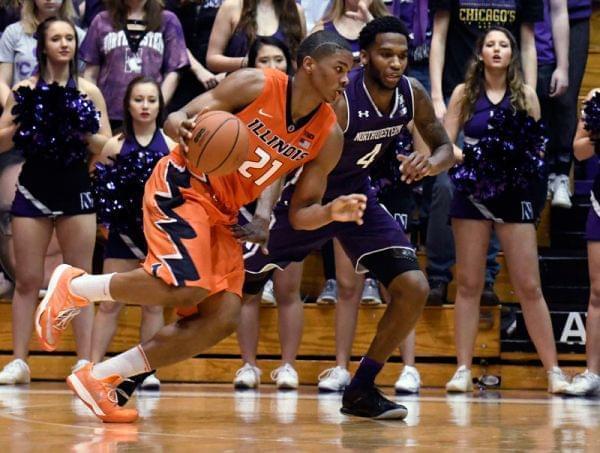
x=370 y=403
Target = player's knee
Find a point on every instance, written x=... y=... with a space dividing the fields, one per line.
x=410 y=287
x=250 y=299
x=229 y=315
x=188 y=296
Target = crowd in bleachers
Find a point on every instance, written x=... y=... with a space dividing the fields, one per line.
x=141 y=59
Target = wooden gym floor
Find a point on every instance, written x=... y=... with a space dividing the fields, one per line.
x=209 y=417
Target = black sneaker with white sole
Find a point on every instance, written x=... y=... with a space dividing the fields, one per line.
x=370 y=403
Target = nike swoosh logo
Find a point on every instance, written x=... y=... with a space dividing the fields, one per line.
x=260 y=112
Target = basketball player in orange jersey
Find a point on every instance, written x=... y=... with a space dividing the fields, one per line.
x=193 y=257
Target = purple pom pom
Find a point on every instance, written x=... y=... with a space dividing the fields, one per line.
x=509 y=156
x=54 y=122
x=118 y=188
x=591 y=114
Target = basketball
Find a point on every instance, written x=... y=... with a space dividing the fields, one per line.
x=219 y=144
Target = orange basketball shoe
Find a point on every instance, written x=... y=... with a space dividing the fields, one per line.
x=58 y=307
x=100 y=395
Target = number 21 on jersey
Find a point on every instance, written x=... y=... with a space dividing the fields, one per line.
x=264 y=160
x=368 y=158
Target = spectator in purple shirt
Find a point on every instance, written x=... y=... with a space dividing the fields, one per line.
x=129 y=39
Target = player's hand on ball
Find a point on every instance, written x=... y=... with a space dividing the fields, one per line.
x=414 y=166
x=256 y=231
x=349 y=208
x=186 y=128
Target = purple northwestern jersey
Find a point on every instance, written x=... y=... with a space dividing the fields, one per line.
x=368 y=134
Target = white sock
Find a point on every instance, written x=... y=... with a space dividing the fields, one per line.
x=126 y=364
x=95 y=288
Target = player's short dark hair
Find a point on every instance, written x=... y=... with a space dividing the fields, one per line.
x=321 y=44
x=385 y=24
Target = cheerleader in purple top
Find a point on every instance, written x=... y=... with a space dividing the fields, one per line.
x=586 y=146
x=494 y=80
x=239 y=22
x=53 y=192
x=143 y=106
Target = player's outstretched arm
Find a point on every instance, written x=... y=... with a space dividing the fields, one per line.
x=416 y=165
x=306 y=211
x=233 y=94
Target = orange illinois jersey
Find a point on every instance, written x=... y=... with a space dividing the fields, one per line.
x=276 y=144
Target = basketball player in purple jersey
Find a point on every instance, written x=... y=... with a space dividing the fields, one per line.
x=379 y=102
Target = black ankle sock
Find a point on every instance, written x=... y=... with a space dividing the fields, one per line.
x=366 y=374
x=128 y=386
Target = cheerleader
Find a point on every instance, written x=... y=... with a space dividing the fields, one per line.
x=585 y=146
x=55 y=118
x=494 y=84
x=143 y=142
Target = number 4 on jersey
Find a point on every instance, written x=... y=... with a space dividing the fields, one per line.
x=368 y=158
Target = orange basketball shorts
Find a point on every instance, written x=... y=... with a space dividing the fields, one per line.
x=190 y=242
